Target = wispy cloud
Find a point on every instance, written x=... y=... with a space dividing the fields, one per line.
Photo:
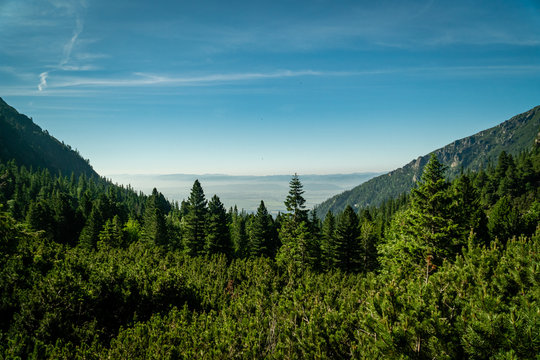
x=144 y=79
x=43 y=80
x=141 y=79
x=72 y=9
x=68 y=48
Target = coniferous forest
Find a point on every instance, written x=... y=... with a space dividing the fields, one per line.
x=93 y=270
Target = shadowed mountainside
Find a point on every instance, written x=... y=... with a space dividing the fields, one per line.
x=25 y=142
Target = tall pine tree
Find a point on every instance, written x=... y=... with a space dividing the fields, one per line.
x=328 y=242
x=260 y=236
x=347 y=235
x=195 y=221
x=154 y=226
x=295 y=202
x=218 y=238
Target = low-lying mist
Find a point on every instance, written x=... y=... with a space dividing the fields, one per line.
x=246 y=192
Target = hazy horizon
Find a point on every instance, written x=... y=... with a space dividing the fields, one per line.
x=245 y=192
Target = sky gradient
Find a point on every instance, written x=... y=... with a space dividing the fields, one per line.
x=266 y=87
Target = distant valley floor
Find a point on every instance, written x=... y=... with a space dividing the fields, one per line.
x=246 y=192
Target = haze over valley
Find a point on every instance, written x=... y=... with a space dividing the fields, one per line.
x=246 y=192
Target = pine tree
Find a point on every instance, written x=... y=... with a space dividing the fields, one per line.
x=347 y=235
x=218 y=238
x=467 y=212
x=112 y=233
x=90 y=232
x=195 y=221
x=422 y=236
x=40 y=216
x=295 y=202
x=154 y=225
x=260 y=236
x=239 y=234
x=431 y=221
x=68 y=222
x=328 y=242
x=504 y=220
x=314 y=241
x=295 y=232
x=367 y=244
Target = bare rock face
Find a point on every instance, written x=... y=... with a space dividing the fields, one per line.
x=456 y=162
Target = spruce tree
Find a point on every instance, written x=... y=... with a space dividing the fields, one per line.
x=218 y=238
x=68 y=221
x=295 y=232
x=467 y=212
x=295 y=202
x=90 y=232
x=260 y=236
x=422 y=236
x=154 y=225
x=314 y=241
x=347 y=252
x=195 y=221
x=328 y=243
x=239 y=235
x=40 y=216
x=367 y=244
x=431 y=221
x=504 y=220
x=112 y=233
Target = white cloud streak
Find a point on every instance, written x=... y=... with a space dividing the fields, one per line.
x=68 y=48
x=72 y=9
x=143 y=79
x=43 y=80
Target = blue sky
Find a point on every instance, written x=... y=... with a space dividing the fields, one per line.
x=267 y=87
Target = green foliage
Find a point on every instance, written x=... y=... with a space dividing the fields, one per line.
x=295 y=202
x=218 y=238
x=261 y=233
x=112 y=233
x=504 y=220
x=154 y=225
x=239 y=234
x=328 y=242
x=347 y=237
x=195 y=221
x=300 y=244
x=427 y=232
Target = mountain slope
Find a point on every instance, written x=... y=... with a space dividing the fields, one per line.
x=470 y=153
x=29 y=145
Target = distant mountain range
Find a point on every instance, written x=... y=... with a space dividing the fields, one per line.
x=29 y=145
x=470 y=153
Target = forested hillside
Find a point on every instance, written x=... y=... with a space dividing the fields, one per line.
x=471 y=153
x=29 y=145
x=91 y=270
